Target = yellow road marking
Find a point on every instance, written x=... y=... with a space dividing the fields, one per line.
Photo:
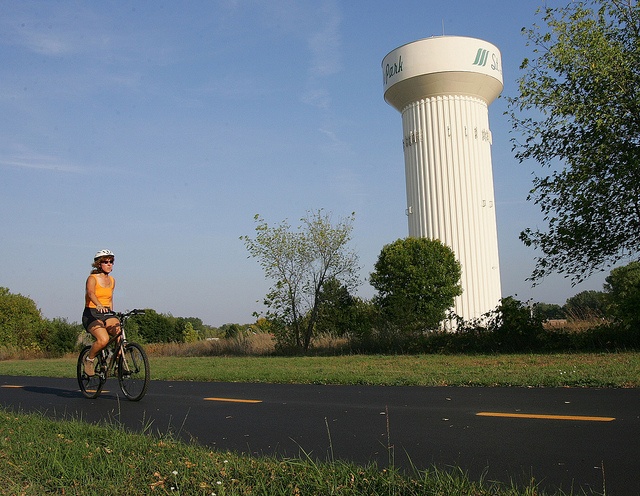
x=233 y=400
x=549 y=417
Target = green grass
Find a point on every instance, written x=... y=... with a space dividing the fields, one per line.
x=553 y=370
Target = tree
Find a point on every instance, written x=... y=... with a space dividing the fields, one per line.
x=154 y=327
x=622 y=287
x=301 y=262
x=548 y=311
x=20 y=321
x=417 y=280
x=338 y=311
x=578 y=110
x=190 y=328
x=189 y=334
x=586 y=304
x=231 y=331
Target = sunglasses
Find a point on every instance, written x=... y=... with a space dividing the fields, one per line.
x=107 y=262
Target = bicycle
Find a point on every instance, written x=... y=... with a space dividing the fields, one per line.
x=126 y=360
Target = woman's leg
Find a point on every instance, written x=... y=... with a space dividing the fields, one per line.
x=99 y=332
x=113 y=326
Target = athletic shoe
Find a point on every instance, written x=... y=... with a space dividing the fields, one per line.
x=89 y=366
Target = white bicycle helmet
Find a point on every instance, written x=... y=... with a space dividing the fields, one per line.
x=103 y=253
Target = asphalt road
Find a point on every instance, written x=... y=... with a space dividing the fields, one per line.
x=565 y=438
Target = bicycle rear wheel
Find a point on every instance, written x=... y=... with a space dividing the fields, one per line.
x=91 y=386
x=133 y=371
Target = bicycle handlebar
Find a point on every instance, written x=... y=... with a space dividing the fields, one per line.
x=135 y=311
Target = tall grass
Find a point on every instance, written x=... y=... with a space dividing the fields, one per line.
x=15 y=353
x=260 y=344
x=579 y=320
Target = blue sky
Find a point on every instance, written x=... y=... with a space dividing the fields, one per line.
x=159 y=129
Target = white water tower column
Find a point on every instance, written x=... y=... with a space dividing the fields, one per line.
x=442 y=86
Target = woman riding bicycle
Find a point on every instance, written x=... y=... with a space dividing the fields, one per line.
x=98 y=317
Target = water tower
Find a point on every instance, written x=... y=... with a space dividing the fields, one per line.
x=443 y=86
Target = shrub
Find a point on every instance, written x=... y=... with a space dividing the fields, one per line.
x=60 y=336
x=515 y=326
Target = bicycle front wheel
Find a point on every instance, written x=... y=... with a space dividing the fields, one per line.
x=133 y=371
x=91 y=385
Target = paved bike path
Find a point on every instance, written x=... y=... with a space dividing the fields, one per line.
x=563 y=437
